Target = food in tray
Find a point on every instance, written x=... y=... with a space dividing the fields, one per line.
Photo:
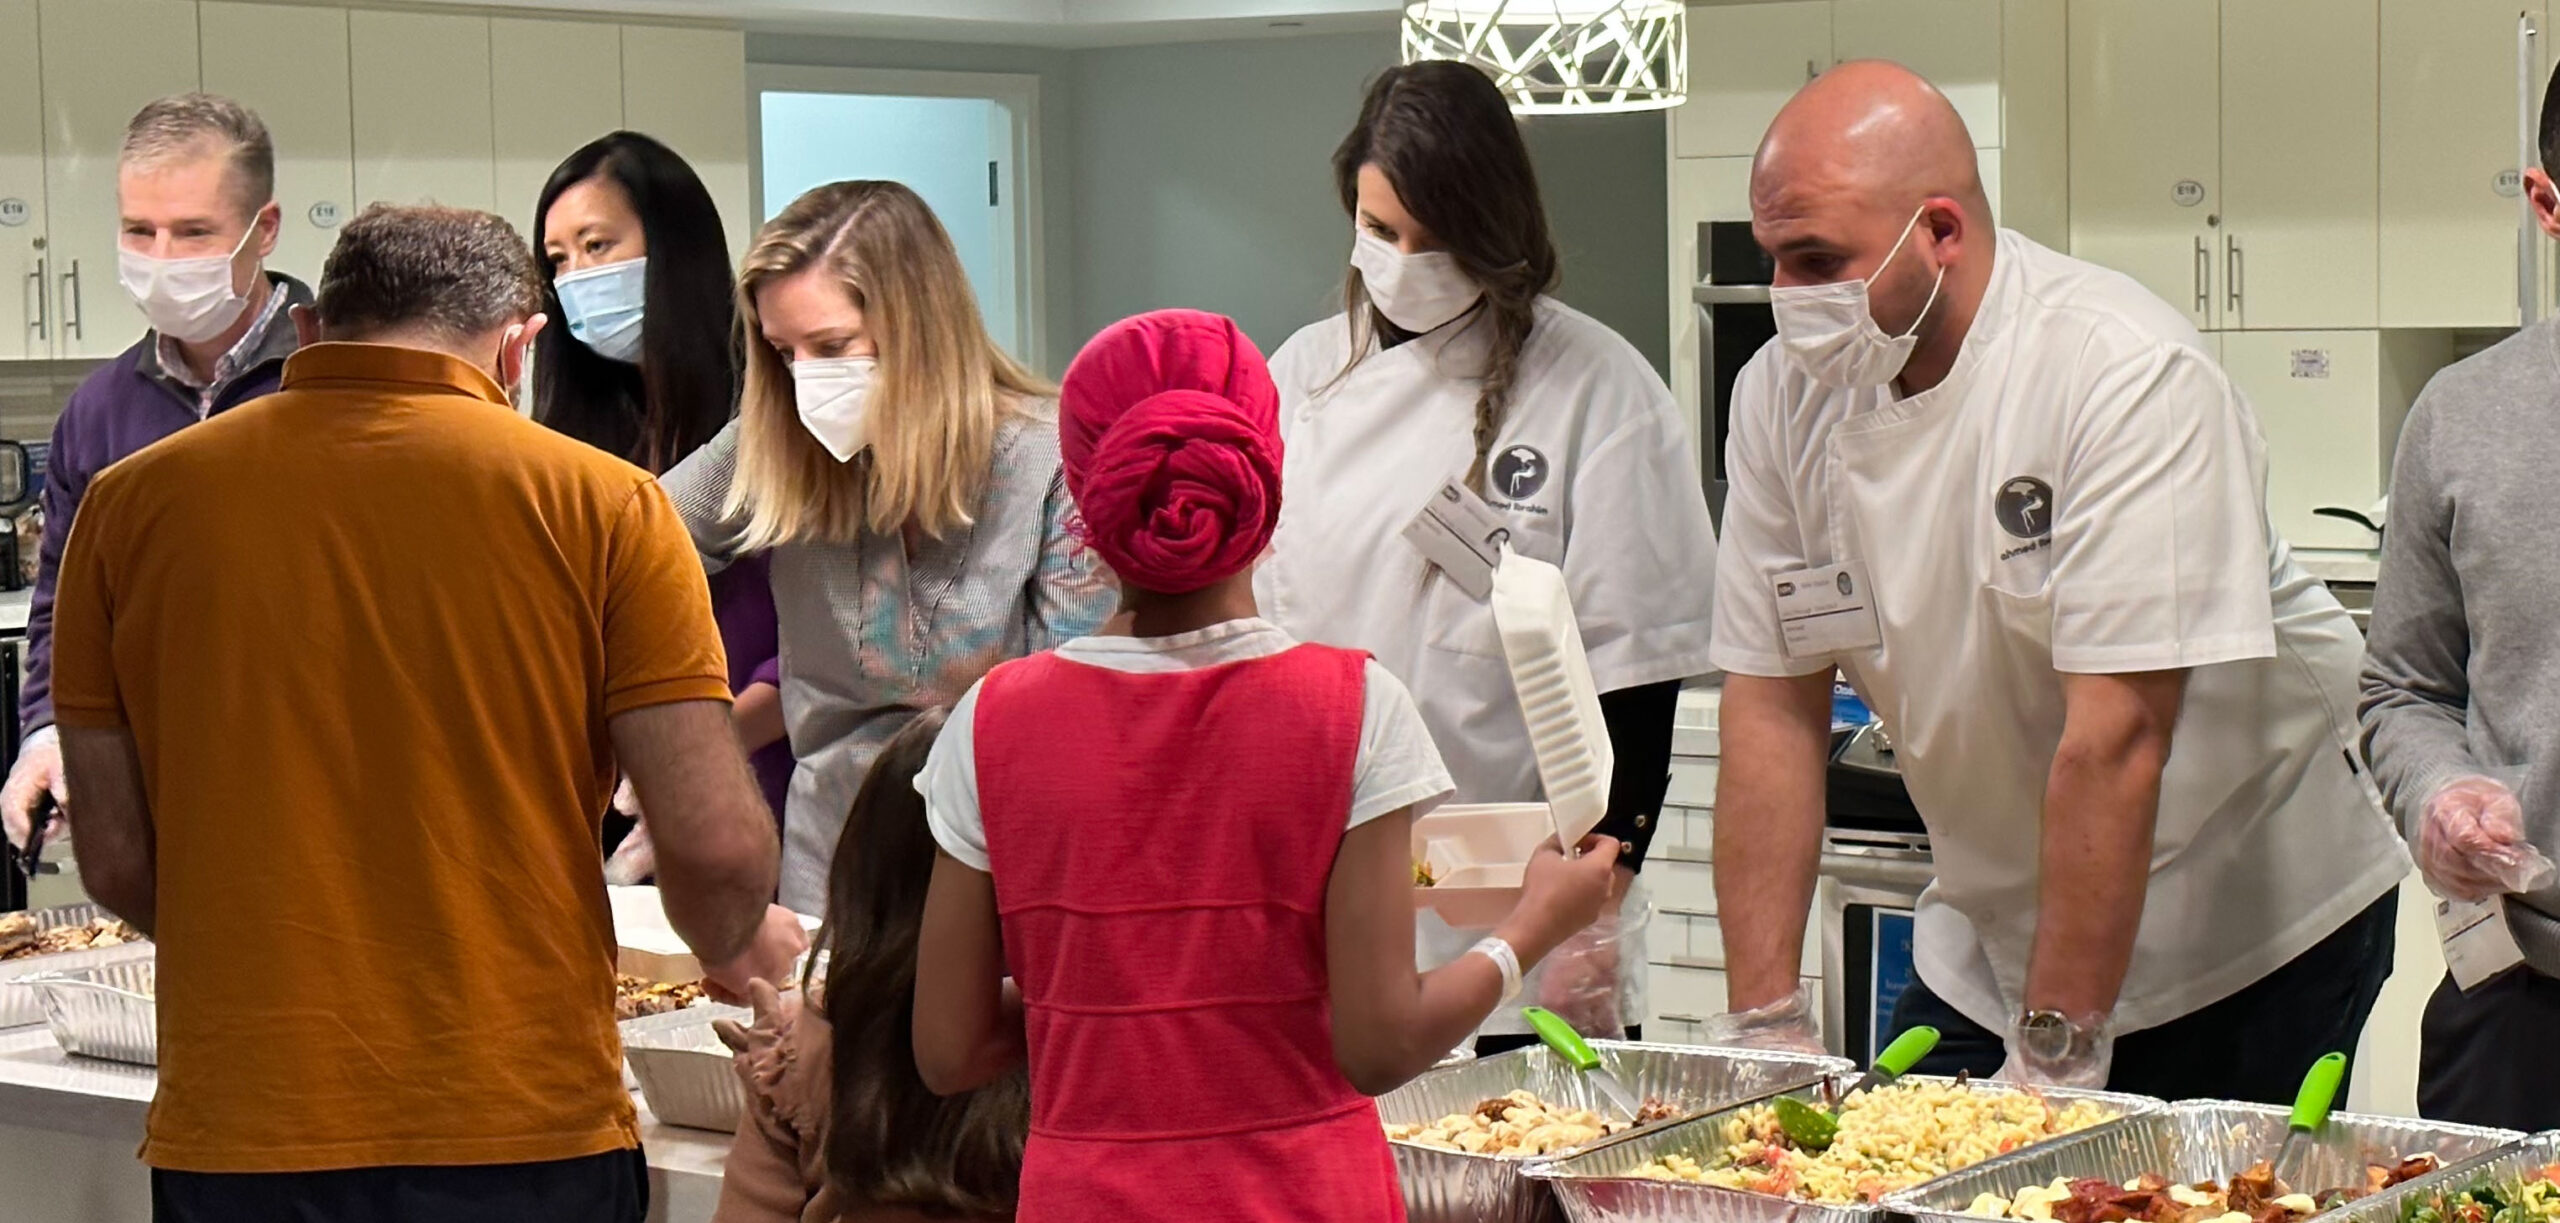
x=21 y=936
x=2254 y=1196
x=1521 y=1124
x=1890 y=1138
x=1423 y=876
x=634 y=997
x=2534 y=1199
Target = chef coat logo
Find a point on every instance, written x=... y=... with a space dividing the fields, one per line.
x=1520 y=472
x=2025 y=507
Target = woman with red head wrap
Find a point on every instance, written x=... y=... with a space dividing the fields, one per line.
x=1175 y=866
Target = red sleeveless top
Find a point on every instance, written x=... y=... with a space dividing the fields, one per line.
x=1160 y=845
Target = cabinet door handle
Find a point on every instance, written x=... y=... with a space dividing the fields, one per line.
x=42 y=322
x=2232 y=265
x=2204 y=275
x=71 y=311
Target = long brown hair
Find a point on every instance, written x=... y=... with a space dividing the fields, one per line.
x=943 y=390
x=890 y=1141
x=1445 y=139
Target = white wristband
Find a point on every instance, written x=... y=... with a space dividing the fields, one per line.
x=1504 y=958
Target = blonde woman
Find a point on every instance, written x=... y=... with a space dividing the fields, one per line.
x=903 y=474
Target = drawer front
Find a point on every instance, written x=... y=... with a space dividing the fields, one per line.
x=1693 y=782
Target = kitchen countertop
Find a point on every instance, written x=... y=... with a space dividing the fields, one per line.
x=2339 y=565
x=70 y=1127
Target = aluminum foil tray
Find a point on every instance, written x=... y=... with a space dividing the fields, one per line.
x=2209 y=1140
x=19 y=1006
x=1599 y=1185
x=104 y=1011
x=2503 y=1168
x=1454 y=1187
x=683 y=1069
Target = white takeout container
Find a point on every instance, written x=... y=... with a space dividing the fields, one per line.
x=1478 y=853
x=1552 y=676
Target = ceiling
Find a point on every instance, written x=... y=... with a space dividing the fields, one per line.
x=1047 y=23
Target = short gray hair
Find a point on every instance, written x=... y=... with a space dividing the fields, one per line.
x=453 y=273
x=182 y=125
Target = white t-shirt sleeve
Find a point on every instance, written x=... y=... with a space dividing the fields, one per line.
x=1762 y=538
x=1641 y=562
x=2160 y=529
x=1399 y=766
x=949 y=784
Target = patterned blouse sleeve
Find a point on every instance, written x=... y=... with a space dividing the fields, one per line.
x=1072 y=592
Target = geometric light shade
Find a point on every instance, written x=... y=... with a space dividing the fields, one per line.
x=1562 y=56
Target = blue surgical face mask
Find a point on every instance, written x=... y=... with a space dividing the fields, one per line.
x=603 y=306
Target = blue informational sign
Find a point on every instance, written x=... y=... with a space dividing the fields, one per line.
x=1847 y=711
x=1888 y=973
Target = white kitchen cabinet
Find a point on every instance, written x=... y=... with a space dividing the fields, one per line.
x=2300 y=152
x=2145 y=113
x=26 y=319
x=289 y=64
x=2448 y=153
x=1702 y=189
x=423 y=123
x=2330 y=404
x=558 y=85
x=1745 y=61
x=102 y=61
x=2034 y=175
x=688 y=88
x=1954 y=43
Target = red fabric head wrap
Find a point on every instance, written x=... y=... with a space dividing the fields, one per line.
x=1169 y=426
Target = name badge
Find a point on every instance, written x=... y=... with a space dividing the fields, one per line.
x=1826 y=611
x=1461 y=536
x=2478 y=946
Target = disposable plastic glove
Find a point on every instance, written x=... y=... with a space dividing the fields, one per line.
x=1579 y=980
x=2091 y=1058
x=39 y=769
x=2471 y=843
x=1784 y=1026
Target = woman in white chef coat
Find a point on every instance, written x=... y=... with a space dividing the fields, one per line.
x=1450 y=364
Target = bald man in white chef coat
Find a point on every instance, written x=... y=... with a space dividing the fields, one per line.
x=2010 y=496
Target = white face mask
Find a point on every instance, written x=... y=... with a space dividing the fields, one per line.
x=1831 y=332
x=188 y=300
x=1418 y=293
x=835 y=402
x=603 y=307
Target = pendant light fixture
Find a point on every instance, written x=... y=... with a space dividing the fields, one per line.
x=1562 y=56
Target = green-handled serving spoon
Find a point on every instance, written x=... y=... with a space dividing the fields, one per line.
x=1813 y=1127
x=1578 y=1053
x=2311 y=1107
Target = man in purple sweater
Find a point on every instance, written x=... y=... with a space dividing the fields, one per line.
x=195 y=185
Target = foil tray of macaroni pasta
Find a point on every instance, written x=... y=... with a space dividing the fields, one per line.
x=19 y=1007
x=105 y=1011
x=2205 y=1140
x=682 y=1068
x=2518 y=1184
x=1922 y=1127
x=1451 y=1186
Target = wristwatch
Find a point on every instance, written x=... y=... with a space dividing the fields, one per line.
x=2050 y=1036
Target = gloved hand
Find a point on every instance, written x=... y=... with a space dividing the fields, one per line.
x=1784 y=1026
x=2088 y=1059
x=39 y=769
x=1579 y=980
x=771 y=954
x=758 y=1049
x=2471 y=843
x=636 y=859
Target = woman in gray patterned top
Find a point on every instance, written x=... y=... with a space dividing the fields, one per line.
x=903 y=474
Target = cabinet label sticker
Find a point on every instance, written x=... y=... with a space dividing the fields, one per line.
x=325 y=214
x=2310 y=363
x=2186 y=193
x=2508 y=184
x=13 y=212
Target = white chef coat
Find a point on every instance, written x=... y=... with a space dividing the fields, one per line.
x=1593 y=471
x=2085 y=493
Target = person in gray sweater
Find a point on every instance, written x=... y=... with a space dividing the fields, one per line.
x=2461 y=695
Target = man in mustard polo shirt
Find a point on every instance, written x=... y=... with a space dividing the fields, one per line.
x=344 y=675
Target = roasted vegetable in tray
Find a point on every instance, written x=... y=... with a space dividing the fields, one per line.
x=2254 y=1196
x=1521 y=1124
x=21 y=936
x=634 y=997
x=2533 y=1200
x=1889 y=1138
